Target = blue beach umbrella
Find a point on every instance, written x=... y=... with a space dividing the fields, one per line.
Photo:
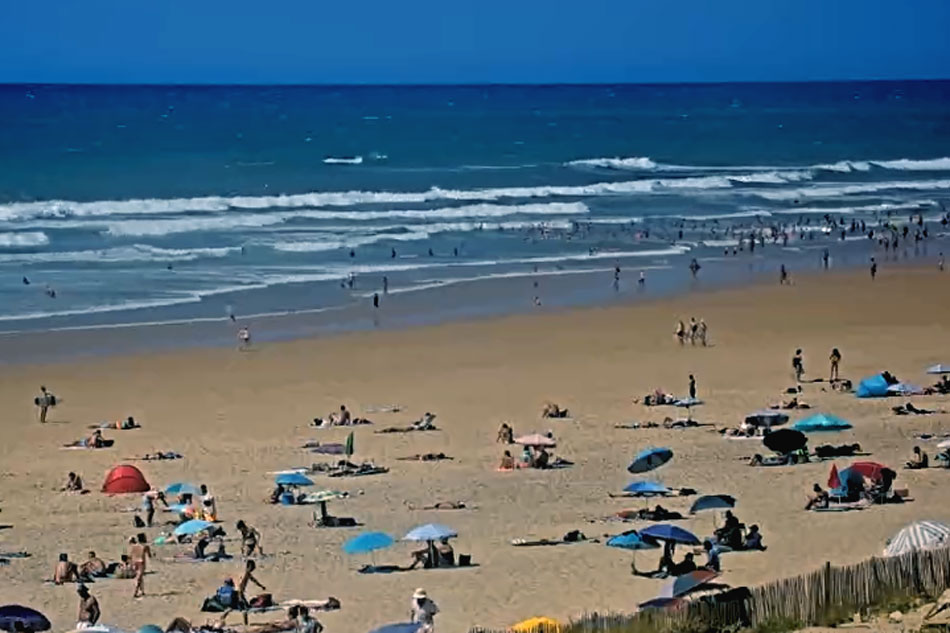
x=631 y=540
x=398 y=627
x=191 y=527
x=939 y=368
x=647 y=488
x=30 y=619
x=182 y=488
x=292 y=479
x=150 y=628
x=671 y=533
x=649 y=459
x=821 y=422
x=430 y=532
x=713 y=502
x=367 y=542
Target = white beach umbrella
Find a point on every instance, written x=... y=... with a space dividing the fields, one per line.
x=917 y=536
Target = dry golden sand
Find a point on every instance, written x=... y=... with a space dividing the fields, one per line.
x=236 y=416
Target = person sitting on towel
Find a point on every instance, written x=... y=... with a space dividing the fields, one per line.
x=918 y=460
x=507 y=462
x=688 y=565
x=819 y=500
x=753 y=539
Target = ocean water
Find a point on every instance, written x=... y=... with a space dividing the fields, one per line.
x=151 y=204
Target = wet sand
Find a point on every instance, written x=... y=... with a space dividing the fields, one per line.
x=236 y=416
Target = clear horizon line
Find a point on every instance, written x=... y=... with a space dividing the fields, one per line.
x=475 y=84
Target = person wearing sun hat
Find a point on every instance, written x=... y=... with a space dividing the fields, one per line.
x=423 y=611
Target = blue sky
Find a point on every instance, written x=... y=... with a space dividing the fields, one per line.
x=471 y=41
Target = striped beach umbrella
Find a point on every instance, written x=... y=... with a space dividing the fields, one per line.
x=917 y=536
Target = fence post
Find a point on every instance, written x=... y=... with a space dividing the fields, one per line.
x=827 y=593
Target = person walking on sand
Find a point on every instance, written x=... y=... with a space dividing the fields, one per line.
x=424 y=611
x=250 y=540
x=940 y=262
x=701 y=332
x=247 y=577
x=680 y=333
x=244 y=338
x=835 y=359
x=798 y=365
x=783 y=276
x=693 y=326
x=873 y=269
x=89 y=612
x=44 y=401
x=139 y=553
x=692 y=387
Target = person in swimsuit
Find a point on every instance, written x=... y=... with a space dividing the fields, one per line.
x=247 y=577
x=680 y=332
x=139 y=553
x=89 y=612
x=250 y=539
x=209 y=507
x=44 y=401
x=244 y=338
x=835 y=359
x=66 y=571
x=798 y=365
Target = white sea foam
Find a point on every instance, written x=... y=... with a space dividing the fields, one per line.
x=133 y=253
x=23 y=239
x=933 y=164
x=343 y=160
x=635 y=162
x=846 y=166
x=838 y=190
x=232 y=221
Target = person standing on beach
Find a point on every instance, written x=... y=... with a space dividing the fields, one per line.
x=680 y=333
x=376 y=300
x=385 y=285
x=89 y=612
x=783 y=276
x=44 y=401
x=424 y=611
x=692 y=387
x=693 y=326
x=247 y=577
x=642 y=281
x=824 y=258
x=873 y=269
x=940 y=262
x=244 y=338
x=139 y=553
x=798 y=365
x=616 y=278
x=701 y=331
x=835 y=359
x=694 y=267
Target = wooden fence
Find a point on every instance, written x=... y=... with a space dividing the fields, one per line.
x=825 y=596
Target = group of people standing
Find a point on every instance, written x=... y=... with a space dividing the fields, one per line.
x=695 y=333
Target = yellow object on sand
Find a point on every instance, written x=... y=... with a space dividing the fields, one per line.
x=537 y=625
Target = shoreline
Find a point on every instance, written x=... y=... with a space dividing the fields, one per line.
x=438 y=303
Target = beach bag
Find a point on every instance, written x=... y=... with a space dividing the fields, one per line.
x=227 y=596
x=261 y=601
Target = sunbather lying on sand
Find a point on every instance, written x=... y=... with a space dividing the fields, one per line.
x=120 y=425
x=792 y=403
x=551 y=410
x=910 y=409
x=826 y=451
x=93 y=441
x=637 y=425
x=659 y=513
x=161 y=455
x=425 y=457
x=769 y=460
x=345 y=468
x=657 y=398
x=441 y=505
x=426 y=423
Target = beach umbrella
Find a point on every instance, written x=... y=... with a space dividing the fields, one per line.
x=688 y=404
x=367 y=542
x=632 y=540
x=192 y=527
x=647 y=488
x=671 y=533
x=785 y=441
x=682 y=585
x=293 y=479
x=150 y=628
x=939 y=368
x=834 y=479
x=536 y=439
x=871 y=470
x=348 y=446
x=766 y=417
x=821 y=422
x=713 y=502
x=918 y=536
x=649 y=459
x=30 y=619
x=182 y=488
x=905 y=389
x=537 y=625
x=662 y=603
x=399 y=627
x=944 y=444
x=430 y=532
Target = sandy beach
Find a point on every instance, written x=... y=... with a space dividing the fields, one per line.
x=237 y=415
